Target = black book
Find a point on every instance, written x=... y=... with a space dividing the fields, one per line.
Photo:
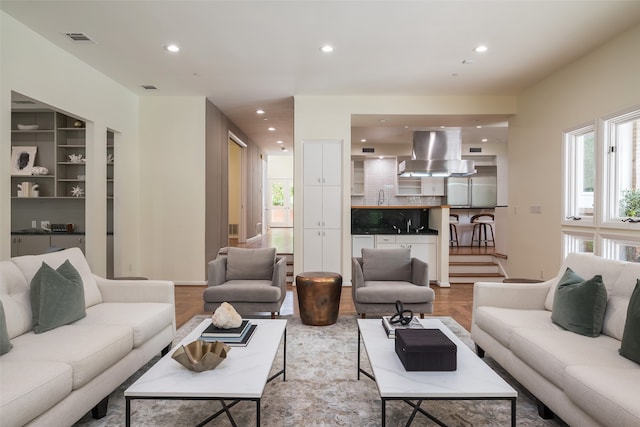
x=212 y=330
x=234 y=342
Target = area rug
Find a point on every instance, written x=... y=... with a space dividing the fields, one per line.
x=321 y=389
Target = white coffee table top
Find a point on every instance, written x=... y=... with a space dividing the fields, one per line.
x=242 y=375
x=472 y=379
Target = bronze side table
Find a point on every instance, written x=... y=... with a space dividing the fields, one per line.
x=319 y=297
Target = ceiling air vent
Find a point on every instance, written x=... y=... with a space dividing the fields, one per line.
x=149 y=87
x=475 y=150
x=368 y=150
x=79 y=37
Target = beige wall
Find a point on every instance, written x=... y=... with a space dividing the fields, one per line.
x=172 y=187
x=602 y=82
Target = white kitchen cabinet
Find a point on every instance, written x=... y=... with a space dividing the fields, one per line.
x=359 y=242
x=421 y=186
x=322 y=206
x=322 y=163
x=423 y=247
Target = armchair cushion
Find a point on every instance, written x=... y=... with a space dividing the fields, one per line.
x=250 y=264
x=386 y=264
x=631 y=339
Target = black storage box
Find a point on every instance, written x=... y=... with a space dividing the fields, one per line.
x=425 y=350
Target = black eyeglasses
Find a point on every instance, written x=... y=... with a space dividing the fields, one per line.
x=402 y=316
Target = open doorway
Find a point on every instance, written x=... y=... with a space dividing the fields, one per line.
x=279 y=192
x=236 y=190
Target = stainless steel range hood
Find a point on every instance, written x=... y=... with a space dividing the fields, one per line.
x=437 y=153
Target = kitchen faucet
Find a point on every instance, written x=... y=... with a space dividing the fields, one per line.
x=380 y=197
x=409 y=225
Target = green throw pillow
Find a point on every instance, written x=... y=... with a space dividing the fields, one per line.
x=57 y=297
x=579 y=305
x=631 y=336
x=5 y=344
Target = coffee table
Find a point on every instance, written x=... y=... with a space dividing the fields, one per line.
x=472 y=380
x=242 y=376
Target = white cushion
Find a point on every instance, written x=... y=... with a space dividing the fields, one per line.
x=500 y=322
x=551 y=352
x=145 y=319
x=29 y=265
x=587 y=265
x=28 y=389
x=610 y=395
x=14 y=293
x=619 y=294
x=89 y=350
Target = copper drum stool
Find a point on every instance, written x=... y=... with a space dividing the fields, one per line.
x=319 y=297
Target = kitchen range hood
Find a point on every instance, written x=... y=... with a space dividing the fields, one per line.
x=436 y=153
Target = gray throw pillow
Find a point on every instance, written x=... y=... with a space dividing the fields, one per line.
x=5 y=344
x=250 y=264
x=386 y=264
x=631 y=336
x=57 y=297
x=579 y=305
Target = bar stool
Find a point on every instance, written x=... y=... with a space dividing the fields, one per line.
x=453 y=230
x=480 y=223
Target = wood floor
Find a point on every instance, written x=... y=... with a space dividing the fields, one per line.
x=455 y=301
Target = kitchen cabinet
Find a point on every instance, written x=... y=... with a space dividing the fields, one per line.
x=357 y=177
x=322 y=163
x=359 y=242
x=423 y=247
x=322 y=206
x=29 y=244
x=421 y=186
x=36 y=244
x=64 y=241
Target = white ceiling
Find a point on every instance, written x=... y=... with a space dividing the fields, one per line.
x=244 y=55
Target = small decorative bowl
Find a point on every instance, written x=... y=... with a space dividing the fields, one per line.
x=201 y=355
x=28 y=127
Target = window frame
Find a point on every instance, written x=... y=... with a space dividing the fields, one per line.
x=569 y=198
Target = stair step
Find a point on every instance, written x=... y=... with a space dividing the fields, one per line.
x=470 y=258
x=475 y=277
x=473 y=267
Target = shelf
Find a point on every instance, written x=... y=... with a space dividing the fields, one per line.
x=75 y=129
x=32 y=176
x=31 y=198
x=72 y=163
x=31 y=131
x=72 y=146
x=71 y=180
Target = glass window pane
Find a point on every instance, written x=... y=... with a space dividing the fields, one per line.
x=624 y=137
x=580 y=173
x=628 y=252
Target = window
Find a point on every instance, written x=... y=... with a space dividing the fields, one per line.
x=622 y=248
x=578 y=242
x=622 y=146
x=580 y=175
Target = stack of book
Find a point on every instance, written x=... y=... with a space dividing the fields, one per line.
x=390 y=328
x=234 y=337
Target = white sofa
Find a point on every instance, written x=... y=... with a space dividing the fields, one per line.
x=583 y=380
x=56 y=377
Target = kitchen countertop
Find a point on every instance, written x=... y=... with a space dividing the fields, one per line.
x=37 y=232
x=372 y=231
x=400 y=207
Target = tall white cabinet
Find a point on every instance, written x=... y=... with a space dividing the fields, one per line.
x=322 y=206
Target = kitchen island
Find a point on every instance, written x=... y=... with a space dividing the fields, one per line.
x=423 y=229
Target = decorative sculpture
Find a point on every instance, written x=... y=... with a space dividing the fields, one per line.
x=77 y=191
x=226 y=317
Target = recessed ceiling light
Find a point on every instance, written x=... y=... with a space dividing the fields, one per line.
x=381 y=157
x=363 y=140
x=382 y=121
x=272 y=129
x=327 y=48
x=172 y=48
x=479 y=127
x=484 y=139
x=278 y=142
x=259 y=111
x=481 y=48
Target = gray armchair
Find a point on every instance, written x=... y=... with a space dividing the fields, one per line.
x=383 y=276
x=252 y=280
